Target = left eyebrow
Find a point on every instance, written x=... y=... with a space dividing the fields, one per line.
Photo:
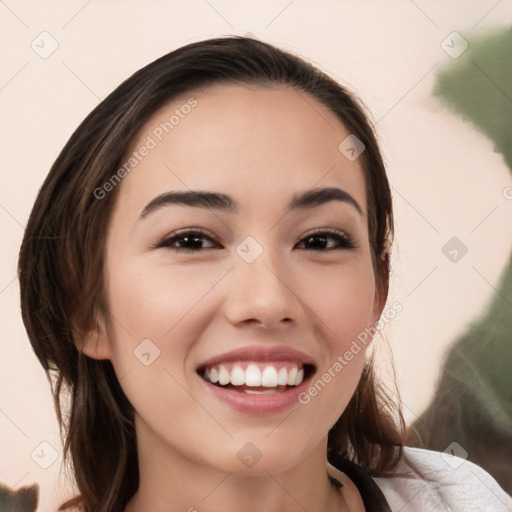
x=319 y=196
x=214 y=200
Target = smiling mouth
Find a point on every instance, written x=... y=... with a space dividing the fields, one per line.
x=257 y=377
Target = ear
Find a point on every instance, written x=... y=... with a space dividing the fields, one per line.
x=95 y=342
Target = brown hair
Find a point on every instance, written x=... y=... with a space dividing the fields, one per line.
x=61 y=262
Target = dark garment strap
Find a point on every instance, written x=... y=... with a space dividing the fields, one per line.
x=373 y=498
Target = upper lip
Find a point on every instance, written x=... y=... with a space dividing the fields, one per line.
x=261 y=354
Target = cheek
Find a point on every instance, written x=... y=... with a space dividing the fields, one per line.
x=343 y=302
x=151 y=302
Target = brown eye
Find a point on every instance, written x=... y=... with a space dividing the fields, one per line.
x=189 y=241
x=318 y=241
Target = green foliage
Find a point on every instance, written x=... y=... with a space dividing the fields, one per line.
x=22 y=500
x=478 y=87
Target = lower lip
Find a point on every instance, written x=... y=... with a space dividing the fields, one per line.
x=257 y=404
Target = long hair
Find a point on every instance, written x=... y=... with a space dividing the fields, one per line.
x=61 y=261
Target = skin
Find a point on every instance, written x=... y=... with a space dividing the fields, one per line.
x=260 y=146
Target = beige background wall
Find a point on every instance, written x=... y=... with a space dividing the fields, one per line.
x=446 y=179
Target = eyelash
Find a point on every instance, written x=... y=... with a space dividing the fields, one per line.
x=344 y=241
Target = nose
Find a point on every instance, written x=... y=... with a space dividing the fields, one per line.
x=262 y=293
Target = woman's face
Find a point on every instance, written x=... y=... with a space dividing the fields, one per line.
x=254 y=292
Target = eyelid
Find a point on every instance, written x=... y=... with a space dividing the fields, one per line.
x=331 y=231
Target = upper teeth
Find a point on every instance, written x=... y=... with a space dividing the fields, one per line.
x=268 y=376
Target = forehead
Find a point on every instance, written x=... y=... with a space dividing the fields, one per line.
x=266 y=142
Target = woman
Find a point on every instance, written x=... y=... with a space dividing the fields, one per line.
x=203 y=271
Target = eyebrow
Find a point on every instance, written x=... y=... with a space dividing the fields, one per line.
x=214 y=200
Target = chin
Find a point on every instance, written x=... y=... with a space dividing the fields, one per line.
x=260 y=456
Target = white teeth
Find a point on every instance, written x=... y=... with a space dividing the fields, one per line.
x=224 y=376
x=270 y=377
x=252 y=376
x=269 y=391
x=282 y=377
x=237 y=376
x=292 y=375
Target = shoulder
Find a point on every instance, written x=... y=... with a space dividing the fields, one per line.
x=426 y=480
